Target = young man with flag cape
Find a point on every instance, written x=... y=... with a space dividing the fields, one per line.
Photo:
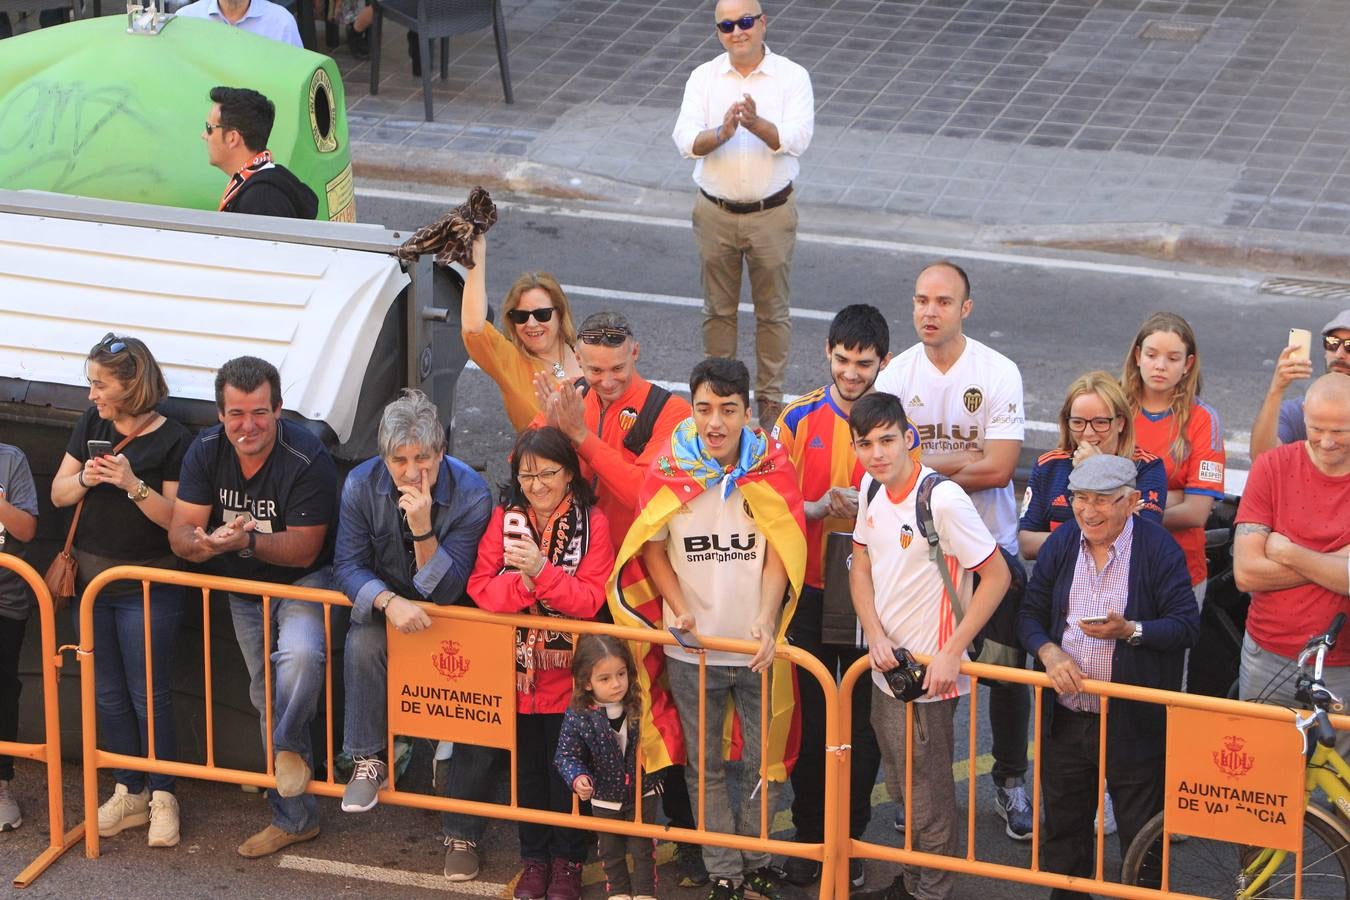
x=721 y=531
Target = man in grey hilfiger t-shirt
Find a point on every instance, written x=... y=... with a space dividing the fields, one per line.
x=18 y=524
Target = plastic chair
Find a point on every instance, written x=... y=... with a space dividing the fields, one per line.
x=442 y=19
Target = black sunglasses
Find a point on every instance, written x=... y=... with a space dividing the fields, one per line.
x=727 y=26
x=211 y=129
x=111 y=343
x=1332 y=344
x=607 y=336
x=521 y=316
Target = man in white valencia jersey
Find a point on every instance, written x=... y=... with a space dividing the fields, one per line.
x=965 y=399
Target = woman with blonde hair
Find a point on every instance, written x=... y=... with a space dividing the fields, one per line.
x=1162 y=383
x=537 y=335
x=1095 y=419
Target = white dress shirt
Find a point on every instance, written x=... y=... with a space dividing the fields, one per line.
x=264 y=18
x=744 y=169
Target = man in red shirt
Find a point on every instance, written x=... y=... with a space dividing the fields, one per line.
x=1291 y=549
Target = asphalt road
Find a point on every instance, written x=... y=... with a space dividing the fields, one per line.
x=1055 y=315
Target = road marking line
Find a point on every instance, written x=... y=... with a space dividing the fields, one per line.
x=933 y=250
x=390 y=876
x=797 y=312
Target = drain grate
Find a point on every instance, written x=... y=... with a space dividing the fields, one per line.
x=1303 y=287
x=1173 y=31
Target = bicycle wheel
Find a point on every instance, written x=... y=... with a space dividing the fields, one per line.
x=1210 y=868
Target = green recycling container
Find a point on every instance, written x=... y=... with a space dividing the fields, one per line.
x=87 y=108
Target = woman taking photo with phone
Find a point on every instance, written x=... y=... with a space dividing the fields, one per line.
x=122 y=466
x=1162 y=382
x=1095 y=419
x=546 y=552
x=537 y=335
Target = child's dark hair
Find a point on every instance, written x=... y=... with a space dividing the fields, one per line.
x=726 y=377
x=876 y=409
x=591 y=649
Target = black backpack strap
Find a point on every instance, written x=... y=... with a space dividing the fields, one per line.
x=872 y=490
x=923 y=510
x=641 y=433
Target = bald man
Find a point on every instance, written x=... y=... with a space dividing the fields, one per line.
x=1293 y=546
x=746 y=117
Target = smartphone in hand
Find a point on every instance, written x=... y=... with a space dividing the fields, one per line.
x=95 y=449
x=686 y=638
x=1302 y=339
x=1092 y=620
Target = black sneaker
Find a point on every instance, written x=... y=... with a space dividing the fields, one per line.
x=857 y=876
x=894 y=891
x=801 y=871
x=689 y=869
x=767 y=882
x=723 y=889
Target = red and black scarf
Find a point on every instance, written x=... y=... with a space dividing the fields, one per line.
x=255 y=165
x=563 y=540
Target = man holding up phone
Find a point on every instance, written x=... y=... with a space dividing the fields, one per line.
x=1280 y=421
x=1110 y=599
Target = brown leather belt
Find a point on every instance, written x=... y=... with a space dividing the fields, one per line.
x=769 y=202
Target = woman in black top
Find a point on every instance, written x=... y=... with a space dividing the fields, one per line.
x=128 y=502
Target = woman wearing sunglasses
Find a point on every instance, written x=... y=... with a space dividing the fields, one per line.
x=123 y=463
x=1094 y=419
x=546 y=552
x=537 y=335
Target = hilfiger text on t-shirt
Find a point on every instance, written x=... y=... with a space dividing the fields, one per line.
x=237 y=503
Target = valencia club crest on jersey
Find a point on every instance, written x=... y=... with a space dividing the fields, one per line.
x=972 y=399
x=906 y=537
x=627 y=418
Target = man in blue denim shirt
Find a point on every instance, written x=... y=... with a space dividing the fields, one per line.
x=409 y=529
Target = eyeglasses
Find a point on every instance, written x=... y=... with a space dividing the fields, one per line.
x=745 y=23
x=1332 y=344
x=528 y=478
x=111 y=343
x=211 y=129
x=1096 y=501
x=1100 y=424
x=521 y=316
x=607 y=336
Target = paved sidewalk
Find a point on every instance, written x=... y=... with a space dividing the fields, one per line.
x=1228 y=113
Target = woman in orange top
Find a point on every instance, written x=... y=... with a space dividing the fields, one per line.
x=537 y=335
x=1162 y=381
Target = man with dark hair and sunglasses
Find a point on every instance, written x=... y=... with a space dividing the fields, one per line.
x=1280 y=421
x=236 y=133
x=746 y=117
x=620 y=422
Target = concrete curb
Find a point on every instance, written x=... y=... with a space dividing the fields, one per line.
x=1324 y=256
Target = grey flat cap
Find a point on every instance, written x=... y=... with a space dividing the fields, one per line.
x=1341 y=321
x=1102 y=474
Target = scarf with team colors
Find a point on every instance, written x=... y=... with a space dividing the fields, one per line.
x=769 y=485
x=255 y=165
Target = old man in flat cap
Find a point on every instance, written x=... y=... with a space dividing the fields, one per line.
x=1109 y=600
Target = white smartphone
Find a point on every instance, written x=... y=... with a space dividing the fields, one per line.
x=1092 y=620
x=1301 y=338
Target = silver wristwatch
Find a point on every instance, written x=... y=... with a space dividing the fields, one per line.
x=1138 y=635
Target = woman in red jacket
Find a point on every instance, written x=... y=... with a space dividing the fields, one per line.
x=546 y=552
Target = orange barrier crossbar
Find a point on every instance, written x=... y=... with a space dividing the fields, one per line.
x=1040 y=683
x=829 y=852
x=49 y=751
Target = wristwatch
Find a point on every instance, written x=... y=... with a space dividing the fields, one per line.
x=247 y=552
x=1138 y=635
x=139 y=492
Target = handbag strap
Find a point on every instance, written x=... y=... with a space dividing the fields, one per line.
x=79 y=507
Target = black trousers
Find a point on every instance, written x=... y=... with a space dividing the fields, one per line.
x=11 y=641
x=1069 y=795
x=539 y=786
x=808 y=777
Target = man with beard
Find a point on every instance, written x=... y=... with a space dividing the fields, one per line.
x=1280 y=421
x=814 y=432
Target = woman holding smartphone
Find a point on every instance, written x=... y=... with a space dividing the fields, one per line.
x=546 y=552
x=1162 y=382
x=537 y=335
x=123 y=462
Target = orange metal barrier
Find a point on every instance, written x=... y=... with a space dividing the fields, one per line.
x=969 y=863
x=49 y=751
x=831 y=852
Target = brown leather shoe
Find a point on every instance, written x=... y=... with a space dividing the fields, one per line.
x=271 y=839
x=292 y=773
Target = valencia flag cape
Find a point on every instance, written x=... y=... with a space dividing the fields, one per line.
x=768 y=483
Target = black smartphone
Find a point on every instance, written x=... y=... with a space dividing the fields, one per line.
x=686 y=638
x=95 y=449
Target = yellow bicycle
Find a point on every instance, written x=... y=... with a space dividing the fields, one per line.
x=1213 y=868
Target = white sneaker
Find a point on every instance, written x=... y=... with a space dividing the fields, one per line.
x=10 y=817
x=1108 y=816
x=163 y=819
x=123 y=810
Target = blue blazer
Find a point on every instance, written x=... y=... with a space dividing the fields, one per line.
x=1160 y=597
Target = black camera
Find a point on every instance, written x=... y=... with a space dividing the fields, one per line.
x=906 y=679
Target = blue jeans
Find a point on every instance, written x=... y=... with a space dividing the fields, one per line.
x=479 y=774
x=119 y=674
x=741 y=686
x=366 y=675
x=297 y=682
